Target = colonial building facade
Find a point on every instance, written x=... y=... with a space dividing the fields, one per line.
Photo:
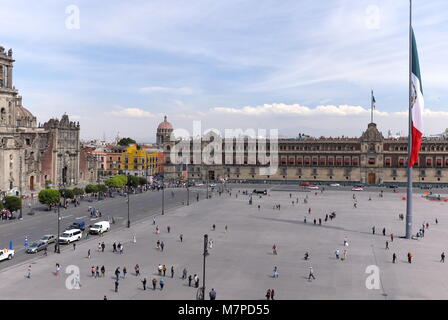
x=31 y=154
x=369 y=159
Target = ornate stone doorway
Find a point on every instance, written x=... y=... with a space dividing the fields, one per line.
x=371 y=179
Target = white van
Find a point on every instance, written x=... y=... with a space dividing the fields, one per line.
x=100 y=227
x=70 y=236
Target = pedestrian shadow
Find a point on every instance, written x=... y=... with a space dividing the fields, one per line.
x=311 y=225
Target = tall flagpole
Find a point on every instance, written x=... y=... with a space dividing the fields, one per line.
x=371 y=107
x=409 y=168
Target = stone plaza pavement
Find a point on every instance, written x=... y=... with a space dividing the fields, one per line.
x=240 y=263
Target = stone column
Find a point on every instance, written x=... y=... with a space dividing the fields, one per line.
x=9 y=77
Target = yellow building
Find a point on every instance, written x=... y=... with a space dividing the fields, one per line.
x=140 y=161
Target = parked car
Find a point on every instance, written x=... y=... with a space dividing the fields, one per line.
x=81 y=225
x=393 y=186
x=6 y=254
x=313 y=187
x=100 y=227
x=305 y=184
x=69 y=236
x=37 y=246
x=335 y=185
x=357 y=188
x=48 y=238
x=265 y=192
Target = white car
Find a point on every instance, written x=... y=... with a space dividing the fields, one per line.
x=70 y=236
x=212 y=185
x=313 y=187
x=6 y=254
x=357 y=189
x=335 y=185
x=100 y=227
x=199 y=184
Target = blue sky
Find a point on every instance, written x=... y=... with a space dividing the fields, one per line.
x=297 y=66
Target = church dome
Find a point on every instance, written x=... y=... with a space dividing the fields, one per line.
x=23 y=113
x=165 y=125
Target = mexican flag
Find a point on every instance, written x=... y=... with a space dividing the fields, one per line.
x=417 y=104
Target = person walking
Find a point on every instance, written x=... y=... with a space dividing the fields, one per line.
x=162 y=245
x=337 y=253
x=274 y=250
x=114 y=246
x=116 y=285
x=58 y=268
x=117 y=273
x=181 y=237
x=184 y=274
x=124 y=272
x=196 y=284
x=162 y=283
x=391 y=237
x=442 y=257
x=92 y=271
x=120 y=248
x=225 y=229
x=137 y=270
x=384 y=231
x=320 y=221
x=103 y=271
x=272 y=294
x=144 y=283
x=373 y=230
x=314 y=221
x=387 y=245
x=189 y=280
x=74 y=246
x=160 y=269
x=410 y=257
x=164 y=269
x=172 y=271
x=212 y=294
x=88 y=254
x=275 y=272
x=213 y=227
x=311 y=275
x=168 y=229
x=394 y=258
x=29 y=272
x=99 y=247
x=309 y=210
x=103 y=246
x=268 y=294
x=437 y=221
x=154 y=283
x=97 y=272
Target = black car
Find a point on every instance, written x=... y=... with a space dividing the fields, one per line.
x=265 y=192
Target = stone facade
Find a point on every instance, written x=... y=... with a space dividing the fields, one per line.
x=31 y=154
x=369 y=159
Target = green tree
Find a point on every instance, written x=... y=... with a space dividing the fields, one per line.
x=142 y=181
x=91 y=188
x=118 y=181
x=13 y=203
x=1 y=205
x=102 y=188
x=78 y=191
x=126 y=141
x=67 y=193
x=50 y=197
x=133 y=181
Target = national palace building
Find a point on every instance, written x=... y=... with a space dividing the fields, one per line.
x=369 y=159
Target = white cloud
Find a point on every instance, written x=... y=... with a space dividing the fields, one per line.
x=168 y=90
x=132 y=113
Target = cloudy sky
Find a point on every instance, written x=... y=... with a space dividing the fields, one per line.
x=295 y=65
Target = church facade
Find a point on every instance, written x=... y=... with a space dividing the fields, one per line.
x=31 y=155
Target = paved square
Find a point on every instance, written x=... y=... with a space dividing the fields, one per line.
x=240 y=263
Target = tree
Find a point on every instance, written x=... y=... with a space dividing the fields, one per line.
x=102 y=188
x=13 y=203
x=142 y=181
x=133 y=181
x=118 y=181
x=91 y=188
x=126 y=141
x=49 y=197
x=67 y=193
x=1 y=205
x=78 y=191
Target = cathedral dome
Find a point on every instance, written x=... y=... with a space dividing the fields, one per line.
x=165 y=125
x=23 y=113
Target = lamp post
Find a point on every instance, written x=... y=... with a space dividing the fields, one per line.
x=163 y=194
x=129 y=221
x=20 y=188
x=203 y=266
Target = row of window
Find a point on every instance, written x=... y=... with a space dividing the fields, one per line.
x=323 y=161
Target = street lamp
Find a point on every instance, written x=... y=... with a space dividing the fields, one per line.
x=203 y=270
x=163 y=194
x=20 y=188
x=59 y=219
x=129 y=221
